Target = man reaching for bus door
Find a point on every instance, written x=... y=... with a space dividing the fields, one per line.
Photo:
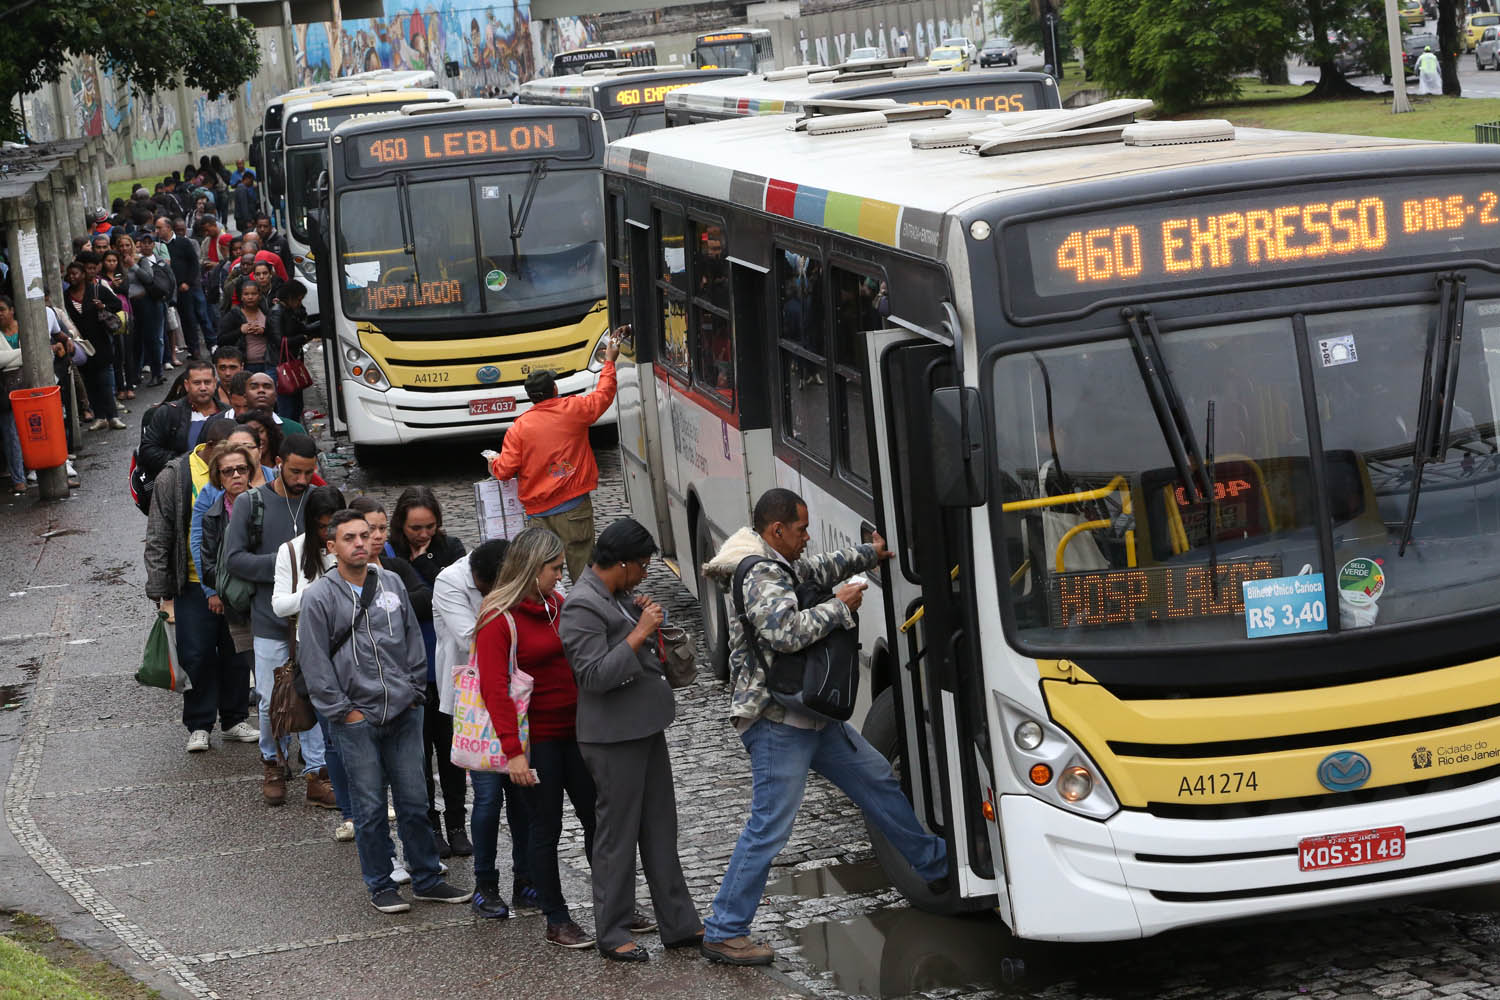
x=784 y=744
x=547 y=448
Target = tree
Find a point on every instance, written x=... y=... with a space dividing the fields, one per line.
x=1179 y=53
x=1355 y=28
x=150 y=44
x=1019 y=23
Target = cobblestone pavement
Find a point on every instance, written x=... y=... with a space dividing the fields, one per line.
x=208 y=893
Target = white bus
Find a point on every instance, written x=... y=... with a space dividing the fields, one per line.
x=642 y=53
x=789 y=90
x=629 y=97
x=750 y=49
x=1195 y=497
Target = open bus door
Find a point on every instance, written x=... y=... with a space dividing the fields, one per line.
x=321 y=240
x=931 y=721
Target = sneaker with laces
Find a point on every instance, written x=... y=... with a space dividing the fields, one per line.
x=738 y=951
x=197 y=741
x=344 y=832
x=273 y=784
x=488 y=905
x=524 y=896
x=389 y=901
x=569 y=935
x=399 y=874
x=443 y=893
x=242 y=732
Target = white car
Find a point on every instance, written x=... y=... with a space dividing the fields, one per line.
x=1487 y=50
x=959 y=41
x=865 y=53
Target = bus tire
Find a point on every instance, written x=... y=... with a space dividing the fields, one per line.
x=711 y=600
x=369 y=456
x=882 y=730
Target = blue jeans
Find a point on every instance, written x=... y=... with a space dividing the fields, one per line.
x=492 y=789
x=270 y=654
x=12 y=443
x=337 y=777
x=375 y=755
x=780 y=757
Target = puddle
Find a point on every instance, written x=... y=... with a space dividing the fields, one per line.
x=12 y=696
x=831 y=880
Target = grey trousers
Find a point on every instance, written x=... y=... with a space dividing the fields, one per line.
x=636 y=805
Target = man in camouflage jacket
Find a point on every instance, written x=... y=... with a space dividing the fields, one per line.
x=784 y=744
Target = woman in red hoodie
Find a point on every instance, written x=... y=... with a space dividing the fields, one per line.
x=551 y=764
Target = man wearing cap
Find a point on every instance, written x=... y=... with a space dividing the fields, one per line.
x=547 y=449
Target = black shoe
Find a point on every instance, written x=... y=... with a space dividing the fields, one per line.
x=688 y=942
x=636 y=954
x=444 y=851
x=389 y=901
x=458 y=842
x=489 y=906
x=443 y=893
x=524 y=896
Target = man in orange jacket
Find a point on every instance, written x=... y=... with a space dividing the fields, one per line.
x=548 y=449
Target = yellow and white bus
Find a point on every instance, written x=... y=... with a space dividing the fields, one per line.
x=784 y=91
x=750 y=49
x=466 y=250
x=1185 y=439
x=629 y=97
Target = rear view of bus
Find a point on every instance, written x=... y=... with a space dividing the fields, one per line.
x=468 y=252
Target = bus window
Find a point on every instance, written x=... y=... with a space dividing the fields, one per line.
x=671 y=285
x=710 y=270
x=559 y=258
x=634 y=123
x=861 y=304
x=710 y=305
x=804 y=390
x=382 y=279
x=619 y=259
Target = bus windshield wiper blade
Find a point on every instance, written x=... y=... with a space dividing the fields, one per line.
x=1213 y=504
x=1176 y=428
x=518 y=223
x=1439 y=387
x=408 y=226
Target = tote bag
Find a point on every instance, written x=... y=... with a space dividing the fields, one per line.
x=475 y=745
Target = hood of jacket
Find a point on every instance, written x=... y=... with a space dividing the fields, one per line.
x=736 y=547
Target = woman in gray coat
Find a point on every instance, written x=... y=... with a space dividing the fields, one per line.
x=624 y=707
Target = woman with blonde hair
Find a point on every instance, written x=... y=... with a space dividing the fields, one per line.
x=518 y=622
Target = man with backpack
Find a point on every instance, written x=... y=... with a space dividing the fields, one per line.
x=172 y=429
x=766 y=564
x=263 y=521
x=174 y=581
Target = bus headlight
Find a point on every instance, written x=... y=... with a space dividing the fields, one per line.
x=362 y=367
x=307 y=265
x=1049 y=765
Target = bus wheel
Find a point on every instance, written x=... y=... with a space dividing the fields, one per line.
x=369 y=456
x=711 y=600
x=883 y=731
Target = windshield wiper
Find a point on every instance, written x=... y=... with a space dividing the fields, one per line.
x=1439 y=386
x=1176 y=428
x=1213 y=504
x=518 y=224
x=408 y=227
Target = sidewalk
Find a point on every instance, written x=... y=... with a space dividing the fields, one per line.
x=171 y=864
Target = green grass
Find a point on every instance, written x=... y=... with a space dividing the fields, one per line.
x=1449 y=119
x=25 y=975
x=37 y=964
x=122 y=189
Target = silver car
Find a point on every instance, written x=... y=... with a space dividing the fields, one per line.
x=1487 y=50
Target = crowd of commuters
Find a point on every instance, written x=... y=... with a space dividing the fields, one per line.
x=156 y=281
x=260 y=562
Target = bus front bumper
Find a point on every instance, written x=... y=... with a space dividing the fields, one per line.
x=400 y=416
x=1136 y=875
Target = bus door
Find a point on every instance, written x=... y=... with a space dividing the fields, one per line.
x=321 y=240
x=939 y=711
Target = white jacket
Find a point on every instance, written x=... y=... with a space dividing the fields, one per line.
x=286 y=600
x=455 y=608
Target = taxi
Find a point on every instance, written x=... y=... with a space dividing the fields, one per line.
x=949 y=57
x=1411 y=14
x=1474 y=26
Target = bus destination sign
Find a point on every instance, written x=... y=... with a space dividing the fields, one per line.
x=316 y=126
x=641 y=95
x=997 y=97
x=433 y=145
x=1093 y=598
x=1256 y=234
x=724 y=36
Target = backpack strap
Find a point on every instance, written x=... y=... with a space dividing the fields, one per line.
x=747 y=629
x=291 y=552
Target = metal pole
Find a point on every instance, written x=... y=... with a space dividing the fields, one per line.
x=36 y=346
x=1399 y=103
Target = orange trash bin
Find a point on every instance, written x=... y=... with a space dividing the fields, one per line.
x=39 y=422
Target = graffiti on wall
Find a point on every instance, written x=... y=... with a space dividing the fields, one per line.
x=41 y=118
x=493 y=46
x=158 y=133
x=88 y=110
x=212 y=121
x=921 y=38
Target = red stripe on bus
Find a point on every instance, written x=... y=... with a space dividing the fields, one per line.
x=715 y=407
x=781 y=197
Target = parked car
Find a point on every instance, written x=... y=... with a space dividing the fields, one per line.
x=1352 y=56
x=949 y=57
x=959 y=41
x=1474 y=26
x=998 y=52
x=1412 y=46
x=1487 y=51
x=1411 y=14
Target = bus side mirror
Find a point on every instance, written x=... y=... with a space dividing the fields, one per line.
x=958 y=458
x=315 y=231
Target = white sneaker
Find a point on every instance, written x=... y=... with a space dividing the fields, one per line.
x=198 y=741
x=243 y=732
x=167 y=366
x=31 y=477
x=99 y=424
x=399 y=874
x=116 y=424
x=345 y=832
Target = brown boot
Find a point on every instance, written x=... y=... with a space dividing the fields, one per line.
x=320 y=789
x=273 y=786
x=737 y=951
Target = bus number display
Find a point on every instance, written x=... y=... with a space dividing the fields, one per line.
x=1250 y=235
x=1094 y=598
x=731 y=36
x=406 y=296
x=434 y=145
x=632 y=97
x=1001 y=103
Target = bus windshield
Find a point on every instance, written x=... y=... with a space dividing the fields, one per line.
x=303 y=166
x=1104 y=539
x=727 y=55
x=557 y=260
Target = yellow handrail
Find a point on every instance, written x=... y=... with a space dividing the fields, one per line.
x=922 y=608
x=1079 y=497
x=1067 y=537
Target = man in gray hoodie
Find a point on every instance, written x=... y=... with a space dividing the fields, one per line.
x=365 y=663
x=257 y=529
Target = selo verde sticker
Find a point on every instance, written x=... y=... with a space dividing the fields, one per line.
x=495 y=280
x=1361 y=581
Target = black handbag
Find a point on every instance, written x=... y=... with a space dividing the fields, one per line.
x=10 y=381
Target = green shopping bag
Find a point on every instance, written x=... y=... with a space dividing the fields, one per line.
x=159 y=664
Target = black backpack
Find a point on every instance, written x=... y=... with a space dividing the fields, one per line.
x=820 y=680
x=163 y=282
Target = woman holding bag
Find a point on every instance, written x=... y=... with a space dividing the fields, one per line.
x=518 y=624
x=287 y=330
